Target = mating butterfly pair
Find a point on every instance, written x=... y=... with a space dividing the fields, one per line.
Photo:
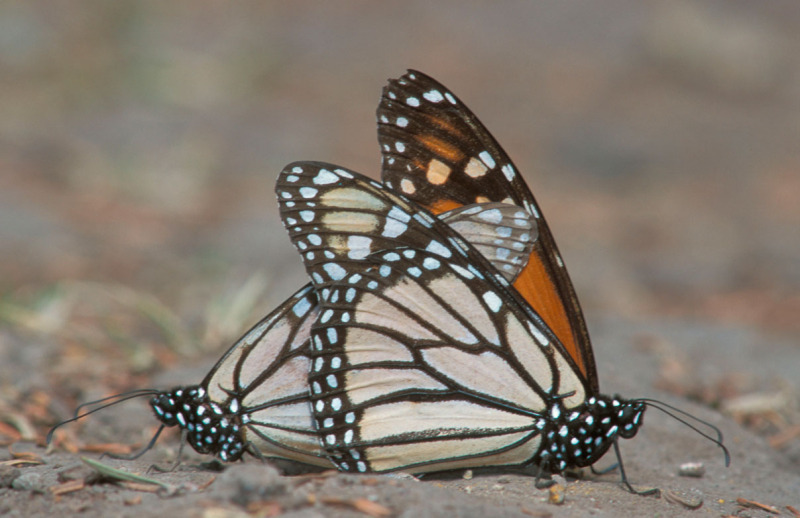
x=440 y=330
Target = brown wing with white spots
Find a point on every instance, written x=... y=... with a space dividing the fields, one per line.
x=436 y=152
x=424 y=358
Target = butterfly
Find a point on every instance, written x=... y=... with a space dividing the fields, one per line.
x=424 y=357
x=440 y=155
x=254 y=398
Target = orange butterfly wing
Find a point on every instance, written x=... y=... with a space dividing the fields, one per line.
x=437 y=152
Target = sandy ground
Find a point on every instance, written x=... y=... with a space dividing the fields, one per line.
x=651 y=458
x=139 y=145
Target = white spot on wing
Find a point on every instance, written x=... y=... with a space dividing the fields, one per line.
x=302 y=307
x=359 y=247
x=430 y=263
x=334 y=271
x=493 y=216
x=393 y=228
x=487 y=159
x=434 y=96
x=508 y=171
x=398 y=213
x=438 y=248
x=475 y=168
x=308 y=192
x=538 y=334
x=462 y=271
x=493 y=301
x=325 y=177
x=407 y=186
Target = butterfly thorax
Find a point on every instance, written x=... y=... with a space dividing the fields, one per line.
x=210 y=428
x=578 y=437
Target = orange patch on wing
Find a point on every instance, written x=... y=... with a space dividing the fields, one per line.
x=444 y=126
x=443 y=205
x=438 y=147
x=540 y=291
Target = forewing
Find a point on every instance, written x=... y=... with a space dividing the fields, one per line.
x=437 y=153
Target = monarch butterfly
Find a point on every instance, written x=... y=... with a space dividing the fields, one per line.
x=425 y=358
x=440 y=155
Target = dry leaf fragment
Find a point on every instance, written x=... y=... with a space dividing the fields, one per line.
x=364 y=505
x=758 y=505
x=67 y=487
x=690 y=502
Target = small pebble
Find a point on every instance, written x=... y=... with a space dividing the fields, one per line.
x=692 y=469
x=557 y=492
x=30 y=481
x=244 y=484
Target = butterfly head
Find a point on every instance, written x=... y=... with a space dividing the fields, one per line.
x=209 y=427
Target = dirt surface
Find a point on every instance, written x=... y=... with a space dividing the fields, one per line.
x=139 y=145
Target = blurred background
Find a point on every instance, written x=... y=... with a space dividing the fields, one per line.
x=140 y=142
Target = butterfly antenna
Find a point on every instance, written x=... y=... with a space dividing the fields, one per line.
x=116 y=398
x=676 y=414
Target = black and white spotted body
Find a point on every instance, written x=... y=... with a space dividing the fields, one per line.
x=209 y=427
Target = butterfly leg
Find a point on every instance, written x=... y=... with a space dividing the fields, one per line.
x=604 y=471
x=139 y=453
x=628 y=486
x=541 y=481
x=155 y=467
